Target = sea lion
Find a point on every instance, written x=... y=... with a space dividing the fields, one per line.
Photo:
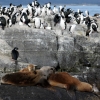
x=65 y=80
x=28 y=78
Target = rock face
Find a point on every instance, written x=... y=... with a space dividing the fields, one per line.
x=52 y=47
x=35 y=46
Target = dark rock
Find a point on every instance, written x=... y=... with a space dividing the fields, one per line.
x=9 y=92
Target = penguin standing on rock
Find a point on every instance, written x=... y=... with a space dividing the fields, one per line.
x=15 y=54
x=72 y=28
x=37 y=22
x=56 y=19
x=62 y=23
x=2 y=22
x=24 y=19
x=9 y=22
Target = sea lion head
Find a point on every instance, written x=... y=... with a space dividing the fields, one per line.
x=47 y=70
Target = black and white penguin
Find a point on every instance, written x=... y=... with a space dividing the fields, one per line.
x=62 y=23
x=9 y=22
x=72 y=28
x=15 y=53
x=37 y=22
x=35 y=3
x=2 y=22
x=3 y=10
x=79 y=11
x=25 y=10
x=43 y=11
x=56 y=19
x=42 y=26
x=66 y=14
x=48 y=4
x=49 y=11
x=37 y=11
x=60 y=8
x=48 y=27
x=24 y=19
x=30 y=9
x=19 y=6
x=55 y=10
x=94 y=26
x=78 y=20
x=86 y=13
x=14 y=18
x=88 y=32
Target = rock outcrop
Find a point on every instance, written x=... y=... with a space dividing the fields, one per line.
x=8 y=92
x=52 y=47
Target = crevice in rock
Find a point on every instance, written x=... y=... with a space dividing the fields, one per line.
x=58 y=65
x=57 y=43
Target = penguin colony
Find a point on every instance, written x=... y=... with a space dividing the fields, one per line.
x=34 y=13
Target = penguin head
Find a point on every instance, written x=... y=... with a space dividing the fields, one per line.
x=10 y=4
x=15 y=48
x=49 y=2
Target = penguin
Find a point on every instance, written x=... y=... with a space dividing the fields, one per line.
x=55 y=10
x=35 y=3
x=30 y=9
x=25 y=10
x=76 y=15
x=88 y=32
x=37 y=11
x=19 y=6
x=14 y=18
x=42 y=26
x=37 y=22
x=66 y=13
x=78 y=20
x=48 y=27
x=48 y=4
x=2 y=22
x=43 y=11
x=62 y=23
x=94 y=26
x=79 y=11
x=4 y=11
x=24 y=19
x=62 y=12
x=60 y=8
x=87 y=22
x=56 y=19
x=86 y=13
x=72 y=28
x=15 y=54
x=9 y=22
x=81 y=18
x=49 y=11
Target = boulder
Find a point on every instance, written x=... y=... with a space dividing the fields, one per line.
x=52 y=47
